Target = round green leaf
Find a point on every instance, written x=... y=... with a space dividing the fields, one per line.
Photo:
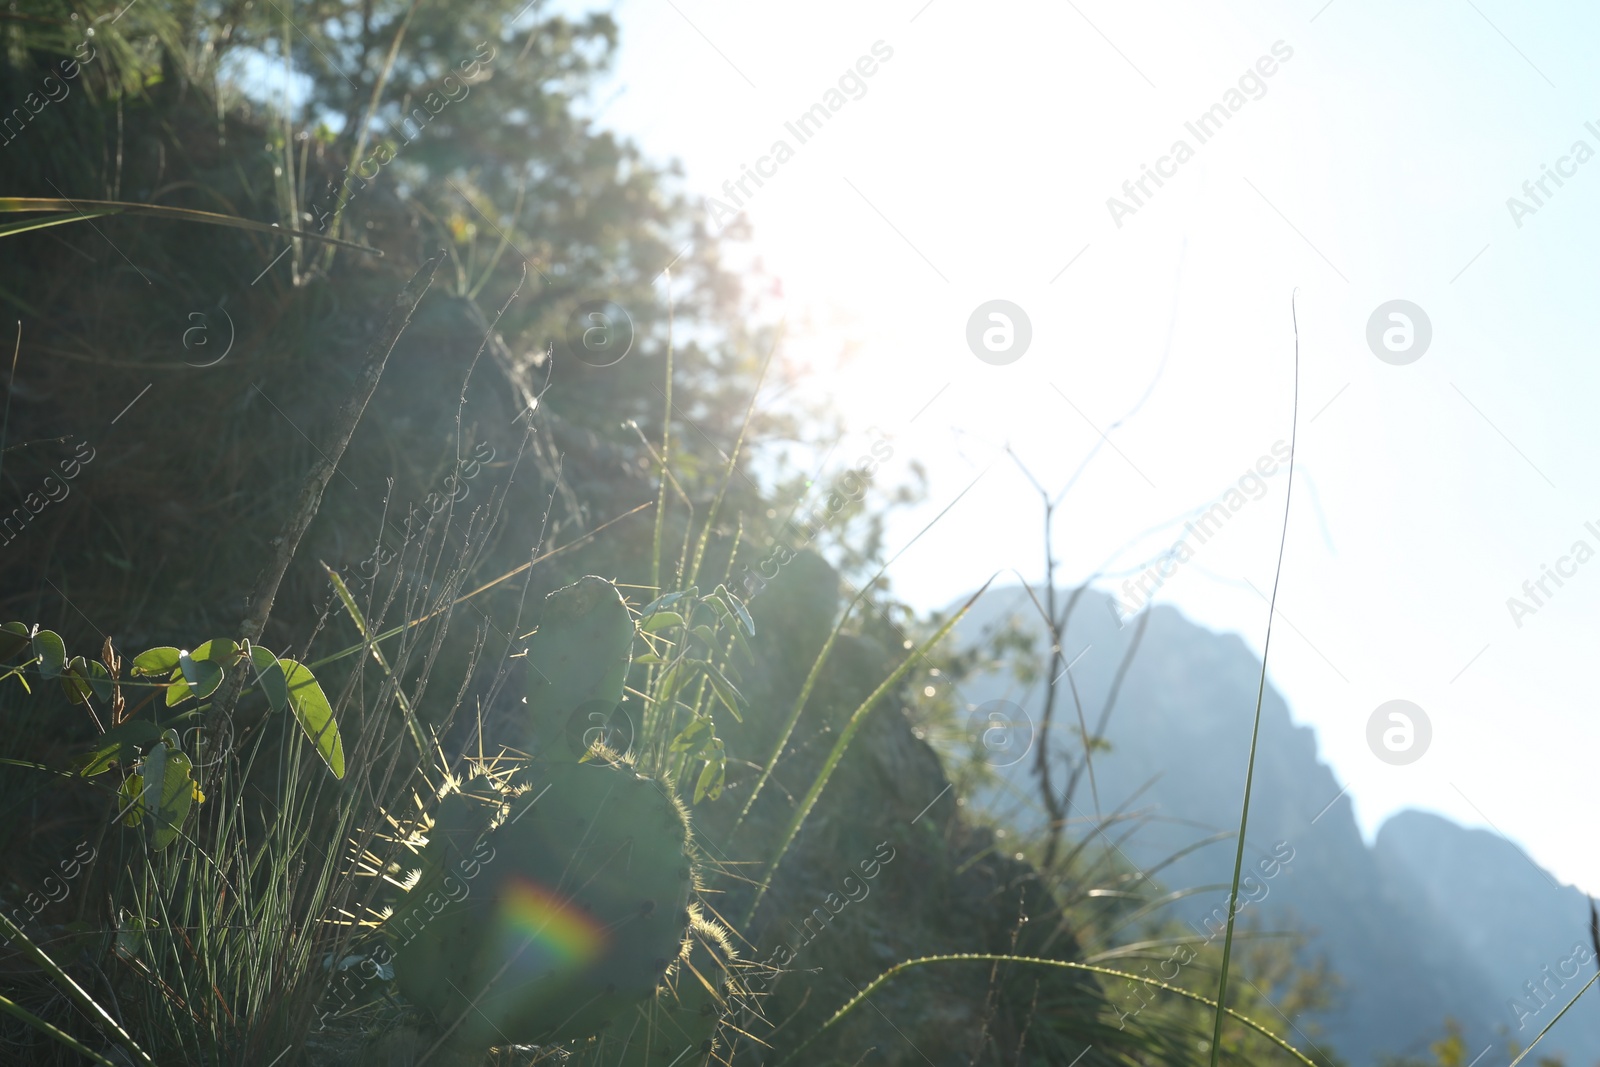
x=155 y=662
x=14 y=638
x=202 y=675
x=193 y=678
x=218 y=650
x=166 y=791
x=75 y=680
x=100 y=681
x=52 y=653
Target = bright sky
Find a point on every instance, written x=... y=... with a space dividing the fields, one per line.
x=1372 y=165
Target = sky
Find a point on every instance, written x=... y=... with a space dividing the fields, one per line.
x=1357 y=154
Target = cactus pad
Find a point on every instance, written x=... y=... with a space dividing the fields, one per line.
x=577 y=663
x=572 y=920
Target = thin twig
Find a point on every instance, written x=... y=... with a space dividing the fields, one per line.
x=1105 y=712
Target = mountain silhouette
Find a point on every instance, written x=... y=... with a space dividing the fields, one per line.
x=1433 y=920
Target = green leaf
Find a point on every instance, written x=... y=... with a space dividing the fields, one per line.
x=660 y=620
x=200 y=678
x=165 y=791
x=684 y=742
x=155 y=661
x=132 y=939
x=311 y=708
x=665 y=601
x=52 y=653
x=739 y=609
x=667 y=684
x=714 y=775
x=202 y=675
x=99 y=761
x=75 y=680
x=743 y=643
x=219 y=650
x=726 y=693
x=128 y=795
x=719 y=599
x=270 y=677
x=101 y=682
x=152 y=773
x=736 y=617
x=120 y=744
x=14 y=638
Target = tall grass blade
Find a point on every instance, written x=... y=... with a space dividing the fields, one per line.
x=97 y=1015
x=733 y=458
x=666 y=453
x=354 y=611
x=1261 y=688
x=101 y=208
x=12 y=1008
x=1035 y=961
x=1540 y=1036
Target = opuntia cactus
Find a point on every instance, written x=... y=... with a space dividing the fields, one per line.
x=581 y=902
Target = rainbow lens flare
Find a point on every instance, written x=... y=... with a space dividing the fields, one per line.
x=544 y=932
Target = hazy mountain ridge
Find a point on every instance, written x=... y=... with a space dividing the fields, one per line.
x=1433 y=920
x=1515 y=916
